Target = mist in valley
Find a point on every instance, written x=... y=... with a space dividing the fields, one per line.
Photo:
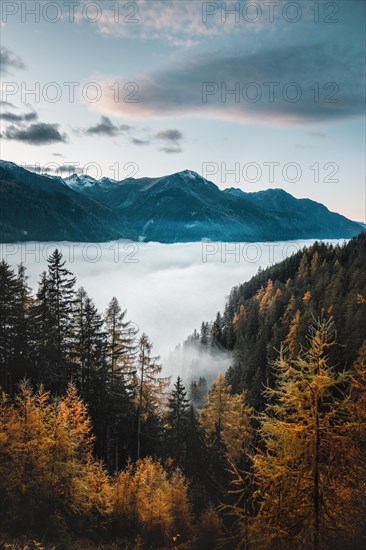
x=167 y=289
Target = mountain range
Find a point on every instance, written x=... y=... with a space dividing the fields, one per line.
x=181 y=207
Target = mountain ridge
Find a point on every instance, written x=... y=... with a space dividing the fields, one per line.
x=179 y=207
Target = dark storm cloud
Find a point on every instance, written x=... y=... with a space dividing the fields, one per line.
x=36 y=134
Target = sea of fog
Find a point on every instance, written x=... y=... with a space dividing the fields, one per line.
x=167 y=289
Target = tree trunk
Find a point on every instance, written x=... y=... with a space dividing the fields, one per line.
x=315 y=541
x=140 y=406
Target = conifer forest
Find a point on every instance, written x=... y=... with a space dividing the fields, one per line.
x=99 y=450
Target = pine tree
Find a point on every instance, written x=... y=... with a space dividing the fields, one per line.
x=198 y=391
x=90 y=344
x=22 y=364
x=151 y=386
x=205 y=334
x=53 y=324
x=177 y=416
x=121 y=343
x=10 y=321
x=216 y=332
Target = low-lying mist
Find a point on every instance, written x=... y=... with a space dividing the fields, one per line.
x=168 y=290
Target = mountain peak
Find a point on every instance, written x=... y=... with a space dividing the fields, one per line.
x=189 y=174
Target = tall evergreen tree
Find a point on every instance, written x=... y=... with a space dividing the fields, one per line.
x=121 y=342
x=151 y=386
x=53 y=323
x=22 y=360
x=198 y=391
x=205 y=334
x=90 y=344
x=9 y=320
x=177 y=416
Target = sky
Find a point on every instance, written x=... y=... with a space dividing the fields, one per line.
x=250 y=94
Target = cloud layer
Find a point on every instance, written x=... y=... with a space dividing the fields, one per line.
x=147 y=278
x=305 y=84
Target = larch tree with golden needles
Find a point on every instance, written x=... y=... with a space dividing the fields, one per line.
x=46 y=465
x=226 y=420
x=298 y=476
x=156 y=499
x=355 y=452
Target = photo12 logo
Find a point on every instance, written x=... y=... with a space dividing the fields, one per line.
x=269 y=92
x=270 y=172
x=270 y=11
x=92 y=170
x=70 y=12
x=253 y=253
x=54 y=92
x=124 y=252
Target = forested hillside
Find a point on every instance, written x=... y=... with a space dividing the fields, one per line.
x=277 y=306
x=99 y=450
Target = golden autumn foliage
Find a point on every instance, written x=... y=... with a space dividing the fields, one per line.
x=226 y=419
x=46 y=461
x=291 y=339
x=307 y=471
x=145 y=494
x=48 y=474
x=239 y=319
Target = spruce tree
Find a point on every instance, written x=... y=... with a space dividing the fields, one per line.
x=53 y=324
x=198 y=391
x=22 y=360
x=90 y=344
x=121 y=342
x=205 y=334
x=151 y=386
x=9 y=321
x=177 y=416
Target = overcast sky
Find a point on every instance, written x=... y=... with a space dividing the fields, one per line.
x=143 y=88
